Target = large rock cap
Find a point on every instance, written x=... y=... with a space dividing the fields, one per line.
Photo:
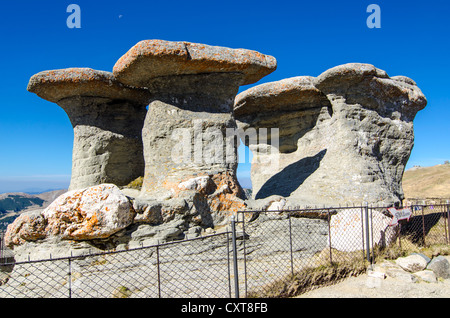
x=372 y=88
x=296 y=93
x=56 y=85
x=350 y=72
x=292 y=105
x=157 y=58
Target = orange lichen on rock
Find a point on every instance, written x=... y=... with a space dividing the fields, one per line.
x=227 y=199
x=91 y=213
x=97 y=212
x=55 y=85
x=27 y=227
x=157 y=58
x=212 y=197
x=230 y=180
x=226 y=202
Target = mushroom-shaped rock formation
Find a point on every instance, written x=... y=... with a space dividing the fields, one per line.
x=353 y=148
x=107 y=117
x=193 y=88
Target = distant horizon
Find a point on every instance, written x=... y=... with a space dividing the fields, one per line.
x=54 y=185
x=33 y=183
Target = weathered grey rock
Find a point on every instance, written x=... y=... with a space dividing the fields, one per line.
x=94 y=219
x=440 y=266
x=147 y=234
x=374 y=124
x=159 y=58
x=393 y=270
x=193 y=88
x=193 y=232
x=53 y=247
x=144 y=231
x=401 y=275
x=375 y=278
x=294 y=106
x=107 y=117
x=156 y=212
x=412 y=263
x=29 y=226
x=345 y=136
x=427 y=276
x=426 y=258
x=93 y=213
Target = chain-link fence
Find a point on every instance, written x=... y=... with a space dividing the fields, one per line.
x=427 y=226
x=6 y=254
x=189 y=268
x=257 y=250
x=279 y=245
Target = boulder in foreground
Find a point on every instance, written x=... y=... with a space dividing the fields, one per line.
x=92 y=213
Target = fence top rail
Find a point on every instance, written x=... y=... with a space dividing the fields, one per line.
x=313 y=209
x=428 y=205
x=66 y=258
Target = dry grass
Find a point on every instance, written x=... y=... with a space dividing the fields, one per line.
x=427 y=182
x=408 y=247
x=136 y=184
x=344 y=265
x=121 y=292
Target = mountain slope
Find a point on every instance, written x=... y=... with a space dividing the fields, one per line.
x=427 y=182
x=13 y=204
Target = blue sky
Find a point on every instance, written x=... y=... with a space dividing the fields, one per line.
x=306 y=37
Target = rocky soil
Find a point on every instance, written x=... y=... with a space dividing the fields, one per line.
x=396 y=283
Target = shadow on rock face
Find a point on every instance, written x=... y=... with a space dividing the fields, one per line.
x=290 y=178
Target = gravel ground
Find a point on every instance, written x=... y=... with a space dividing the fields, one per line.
x=364 y=286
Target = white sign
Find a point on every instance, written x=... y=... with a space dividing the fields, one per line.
x=403 y=214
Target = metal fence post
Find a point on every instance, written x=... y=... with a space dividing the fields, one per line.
x=245 y=251
x=366 y=214
x=448 y=221
x=158 y=270
x=1 y=246
x=235 y=262
x=228 y=262
x=329 y=236
x=290 y=245
x=70 y=277
x=423 y=227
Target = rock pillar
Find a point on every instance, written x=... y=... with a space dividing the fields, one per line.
x=345 y=136
x=107 y=118
x=193 y=88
